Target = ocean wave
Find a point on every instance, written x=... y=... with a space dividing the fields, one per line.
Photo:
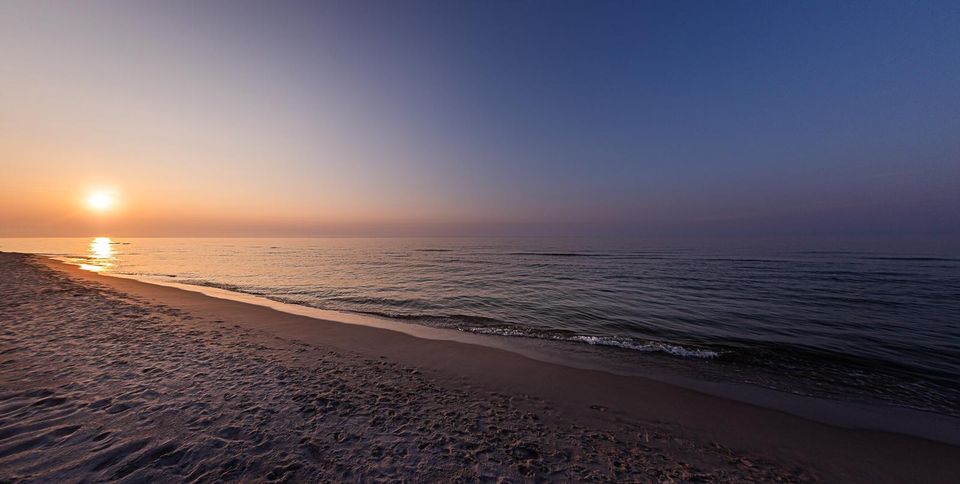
x=491 y=326
x=625 y=343
x=556 y=254
x=219 y=285
x=649 y=346
x=150 y=274
x=600 y=255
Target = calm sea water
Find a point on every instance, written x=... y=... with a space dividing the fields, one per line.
x=848 y=324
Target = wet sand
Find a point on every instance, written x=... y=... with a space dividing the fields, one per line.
x=104 y=378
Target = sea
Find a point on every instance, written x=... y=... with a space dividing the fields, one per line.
x=857 y=325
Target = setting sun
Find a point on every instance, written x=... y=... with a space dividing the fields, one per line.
x=100 y=201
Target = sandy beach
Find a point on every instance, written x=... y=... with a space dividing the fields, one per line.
x=113 y=379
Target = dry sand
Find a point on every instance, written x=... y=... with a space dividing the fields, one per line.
x=112 y=379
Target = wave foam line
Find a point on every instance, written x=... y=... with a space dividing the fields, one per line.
x=645 y=346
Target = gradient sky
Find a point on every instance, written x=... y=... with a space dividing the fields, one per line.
x=481 y=118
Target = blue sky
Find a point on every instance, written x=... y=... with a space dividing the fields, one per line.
x=642 y=118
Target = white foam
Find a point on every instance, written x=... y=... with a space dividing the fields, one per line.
x=651 y=346
x=645 y=346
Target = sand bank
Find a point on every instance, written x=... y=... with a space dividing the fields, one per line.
x=107 y=378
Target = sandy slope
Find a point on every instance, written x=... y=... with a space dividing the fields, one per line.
x=97 y=383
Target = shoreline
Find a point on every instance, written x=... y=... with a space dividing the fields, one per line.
x=847 y=414
x=592 y=399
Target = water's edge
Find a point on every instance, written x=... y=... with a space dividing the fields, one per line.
x=846 y=414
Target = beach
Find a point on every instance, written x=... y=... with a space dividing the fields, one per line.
x=105 y=378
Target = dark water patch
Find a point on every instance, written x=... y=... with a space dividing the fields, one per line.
x=922 y=259
x=826 y=252
x=818 y=372
x=589 y=254
x=554 y=254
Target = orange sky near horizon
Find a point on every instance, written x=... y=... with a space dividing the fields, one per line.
x=45 y=191
x=194 y=141
x=174 y=188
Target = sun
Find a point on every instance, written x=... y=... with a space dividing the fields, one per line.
x=100 y=201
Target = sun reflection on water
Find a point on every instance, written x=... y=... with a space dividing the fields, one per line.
x=100 y=256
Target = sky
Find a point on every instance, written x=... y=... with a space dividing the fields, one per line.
x=480 y=118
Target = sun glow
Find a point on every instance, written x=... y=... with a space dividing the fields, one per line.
x=100 y=201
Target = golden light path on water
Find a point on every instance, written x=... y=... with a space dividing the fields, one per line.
x=100 y=255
